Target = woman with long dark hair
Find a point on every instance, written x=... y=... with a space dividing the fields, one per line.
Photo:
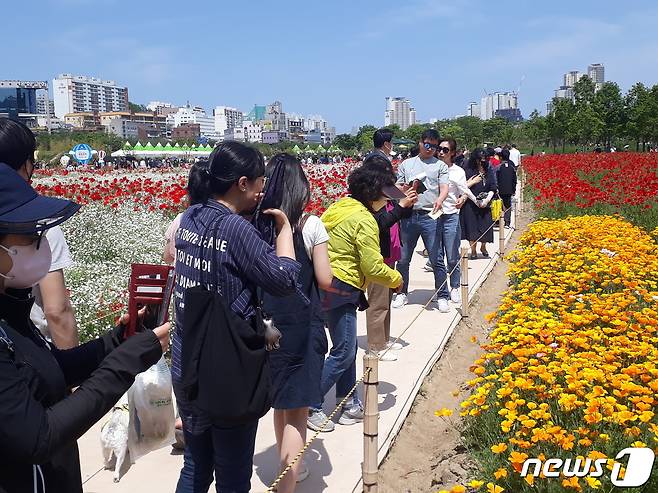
x=218 y=248
x=476 y=222
x=296 y=367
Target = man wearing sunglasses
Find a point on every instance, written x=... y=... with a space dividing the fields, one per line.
x=430 y=176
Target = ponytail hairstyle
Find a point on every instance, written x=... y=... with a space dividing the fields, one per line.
x=229 y=162
x=197 y=183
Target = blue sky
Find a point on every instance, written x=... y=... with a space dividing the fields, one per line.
x=338 y=58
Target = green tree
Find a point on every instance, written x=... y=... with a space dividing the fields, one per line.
x=535 y=130
x=137 y=108
x=585 y=125
x=608 y=104
x=413 y=132
x=638 y=104
x=455 y=131
x=473 y=132
x=364 y=136
x=346 y=141
x=395 y=128
x=583 y=91
x=495 y=130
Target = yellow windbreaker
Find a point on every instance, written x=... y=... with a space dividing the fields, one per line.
x=354 y=246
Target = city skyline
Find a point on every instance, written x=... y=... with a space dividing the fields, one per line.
x=326 y=67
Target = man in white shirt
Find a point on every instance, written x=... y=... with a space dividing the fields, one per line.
x=448 y=231
x=515 y=156
x=433 y=174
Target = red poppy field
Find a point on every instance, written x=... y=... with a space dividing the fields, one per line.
x=624 y=183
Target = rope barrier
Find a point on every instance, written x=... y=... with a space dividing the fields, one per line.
x=316 y=434
x=299 y=455
x=436 y=292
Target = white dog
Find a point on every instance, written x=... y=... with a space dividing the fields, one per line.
x=114 y=437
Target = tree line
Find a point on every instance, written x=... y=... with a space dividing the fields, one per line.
x=603 y=118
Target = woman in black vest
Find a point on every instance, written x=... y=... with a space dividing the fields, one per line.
x=297 y=365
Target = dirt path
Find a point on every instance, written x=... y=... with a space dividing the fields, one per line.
x=428 y=454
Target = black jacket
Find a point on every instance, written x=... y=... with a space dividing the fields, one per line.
x=506 y=175
x=40 y=419
x=385 y=220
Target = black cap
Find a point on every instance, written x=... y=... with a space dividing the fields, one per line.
x=24 y=211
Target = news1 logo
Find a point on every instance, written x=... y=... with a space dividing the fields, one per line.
x=637 y=473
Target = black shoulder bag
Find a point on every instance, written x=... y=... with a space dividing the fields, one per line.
x=225 y=370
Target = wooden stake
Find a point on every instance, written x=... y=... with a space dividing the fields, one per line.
x=463 y=269
x=370 y=466
x=501 y=234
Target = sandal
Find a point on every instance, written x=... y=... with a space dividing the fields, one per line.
x=485 y=254
x=473 y=256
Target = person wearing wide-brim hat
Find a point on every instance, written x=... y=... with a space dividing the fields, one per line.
x=40 y=419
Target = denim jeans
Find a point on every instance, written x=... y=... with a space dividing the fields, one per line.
x=418 y=225
x=447 y=242
x=228 y=452
x=340 y=366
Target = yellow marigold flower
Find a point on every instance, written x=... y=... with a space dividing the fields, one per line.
x=443 y=412
x=499 y=448
x=500 y=473
x=593 y=482
x=457 y=489
x=475 y=483
x=494 y=488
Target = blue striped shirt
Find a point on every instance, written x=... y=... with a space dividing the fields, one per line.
x=231 y=258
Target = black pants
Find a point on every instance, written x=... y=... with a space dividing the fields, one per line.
x=507 y=206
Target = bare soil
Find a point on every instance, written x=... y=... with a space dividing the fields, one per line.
x=428 y=454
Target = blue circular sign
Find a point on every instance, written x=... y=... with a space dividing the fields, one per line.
x=82 y=153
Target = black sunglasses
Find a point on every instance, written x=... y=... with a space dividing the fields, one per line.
x=429 y=146
x=444 y=150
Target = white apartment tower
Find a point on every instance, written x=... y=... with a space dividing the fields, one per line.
x=226 y=118
x=80 y=94
x=570 y=78
x=399 y=112
x=596 y=72
x=490 y=103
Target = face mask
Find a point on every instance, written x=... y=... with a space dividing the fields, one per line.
x=29 y=264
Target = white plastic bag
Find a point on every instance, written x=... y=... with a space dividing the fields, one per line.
x=152 y=416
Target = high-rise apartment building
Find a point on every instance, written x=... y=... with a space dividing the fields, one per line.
x=570 y=78
x=227 y=118
x=80 y=94
x=497 y=101
x=45 y=105
x=596 y=72
x=473 y=109
x=399 y=112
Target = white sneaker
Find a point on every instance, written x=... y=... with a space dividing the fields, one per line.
x=399 y=301
x=455 y=297
x=303 y=472
x=443 y=305
x=387 y=355
x=394 y=346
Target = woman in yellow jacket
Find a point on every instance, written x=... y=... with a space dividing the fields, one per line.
x=356 y=261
